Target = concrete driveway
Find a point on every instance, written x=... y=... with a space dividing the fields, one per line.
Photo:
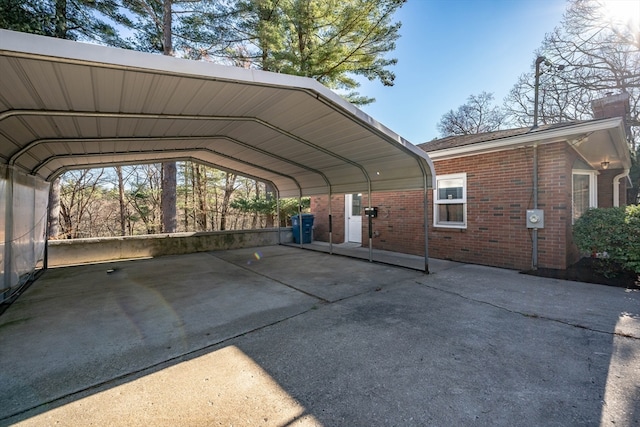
x=278 y=336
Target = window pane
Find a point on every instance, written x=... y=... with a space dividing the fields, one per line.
x=356 y=204
x=451 y=213
x=449 y=189
x=580 y=195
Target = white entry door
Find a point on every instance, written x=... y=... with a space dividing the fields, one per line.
x=353 y=211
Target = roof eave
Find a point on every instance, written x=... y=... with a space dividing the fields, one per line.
x=614 y=125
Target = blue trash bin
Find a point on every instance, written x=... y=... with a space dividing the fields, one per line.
x=307 y=228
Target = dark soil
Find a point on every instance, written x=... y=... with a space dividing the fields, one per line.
x=590 y=270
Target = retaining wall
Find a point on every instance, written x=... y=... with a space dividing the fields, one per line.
x=84 y=251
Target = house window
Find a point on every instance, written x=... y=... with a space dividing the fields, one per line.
x=584 y=194
x=450 y=201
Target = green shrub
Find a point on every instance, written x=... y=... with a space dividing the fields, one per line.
x=613 y=234
x=631 y=256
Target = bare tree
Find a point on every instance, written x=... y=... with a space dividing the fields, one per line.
x=122 y=202
x=229 y=187
x=476 y=116
x=200 y=186
x=78 y=189
x=144 y=198
x=598 y=56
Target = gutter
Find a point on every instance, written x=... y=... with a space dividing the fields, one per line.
x=539 y=137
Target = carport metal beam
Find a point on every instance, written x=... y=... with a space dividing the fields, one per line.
x=50 y=113
x=36 y=55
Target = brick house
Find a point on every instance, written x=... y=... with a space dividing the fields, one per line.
x=484 y=195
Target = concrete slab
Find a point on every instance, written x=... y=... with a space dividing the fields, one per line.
x=330 y=278
x=466 y=345
x=357 y=250
x=77 y=327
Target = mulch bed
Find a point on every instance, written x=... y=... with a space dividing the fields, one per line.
x=589 y=270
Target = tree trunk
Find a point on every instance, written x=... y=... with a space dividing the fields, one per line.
x=121 y=200
x=228 y=189
x=201 y=189
x=186 y=195
x=168 y=199
x=167 y=43
x=54 y=209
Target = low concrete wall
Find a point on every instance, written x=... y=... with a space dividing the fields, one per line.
x=84 y=251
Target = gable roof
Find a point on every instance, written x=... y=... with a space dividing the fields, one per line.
x=474 y=138
x=595 y=140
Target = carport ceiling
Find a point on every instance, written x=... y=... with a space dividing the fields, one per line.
x=68 y=105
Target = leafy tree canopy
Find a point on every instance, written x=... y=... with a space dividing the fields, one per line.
x=331 y=41
x=92 y=20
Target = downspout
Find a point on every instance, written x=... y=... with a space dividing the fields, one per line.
x=534 y=232
x=616 y=187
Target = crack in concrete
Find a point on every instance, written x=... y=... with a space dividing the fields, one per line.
x=531 y=315
x=271 y=278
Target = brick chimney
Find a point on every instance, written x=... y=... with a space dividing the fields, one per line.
x=611 y=106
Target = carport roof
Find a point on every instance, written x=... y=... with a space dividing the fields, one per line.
x=68 y=105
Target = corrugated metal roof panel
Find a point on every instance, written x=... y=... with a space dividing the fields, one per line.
x=69 y=105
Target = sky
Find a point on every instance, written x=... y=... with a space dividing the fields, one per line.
x=451 y=49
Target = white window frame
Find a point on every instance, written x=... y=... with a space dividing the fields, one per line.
x=437 y=202
x=593 y=189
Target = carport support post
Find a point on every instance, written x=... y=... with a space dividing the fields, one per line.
x=426 y=227
x=300 y=217
x=370 y=226
x=278 y=215
x=330 y=226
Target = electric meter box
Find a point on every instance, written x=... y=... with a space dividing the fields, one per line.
x=535 y=218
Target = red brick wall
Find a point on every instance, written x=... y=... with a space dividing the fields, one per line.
x=399 y=226
x=555 y=163
x=499 y=191
x=320 y=208
x=605 y=189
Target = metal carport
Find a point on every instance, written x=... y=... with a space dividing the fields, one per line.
x=68 y=105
